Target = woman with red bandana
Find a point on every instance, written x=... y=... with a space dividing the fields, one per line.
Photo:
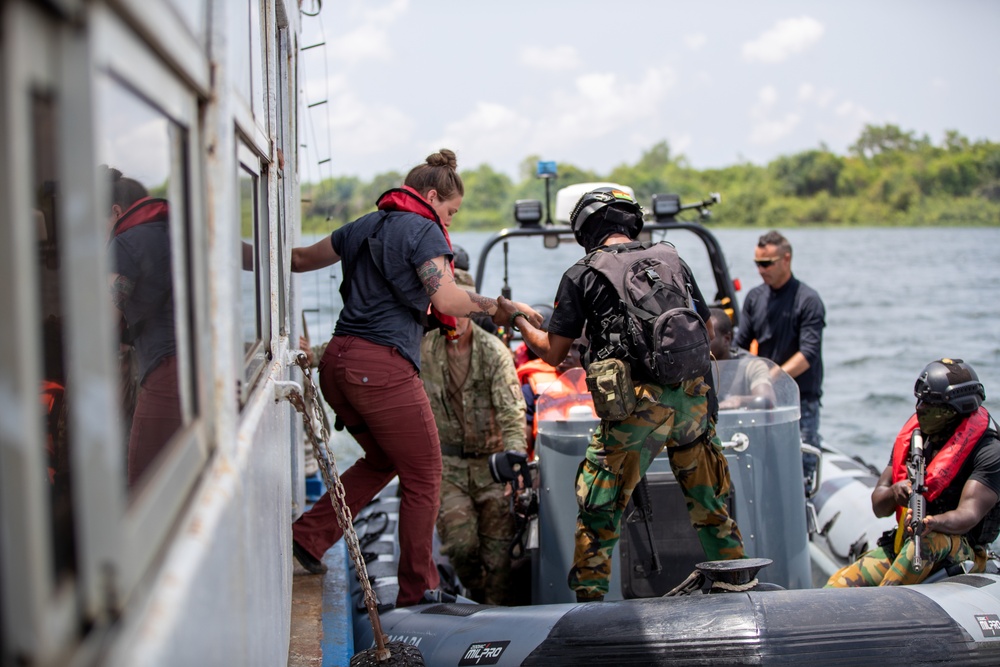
x=142 y=289
x=397 y=262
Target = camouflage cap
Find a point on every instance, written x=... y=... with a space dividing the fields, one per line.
x=464 y=280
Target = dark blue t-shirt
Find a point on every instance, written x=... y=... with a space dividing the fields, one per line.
x=372 y=311
x=785 y=321
x=142 y=254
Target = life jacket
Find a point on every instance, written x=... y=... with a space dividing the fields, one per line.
x=527 y=372
x=409 y=200
x=538 y=375
x=568 y=390
x=147 y=209
x=52 y=398
x=943 y=468
x=655 y=331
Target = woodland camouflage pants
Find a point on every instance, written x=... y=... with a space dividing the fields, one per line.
x=618 y=456
x=476 y=528
x=874 y=568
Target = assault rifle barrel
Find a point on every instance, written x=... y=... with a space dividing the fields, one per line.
x=918 y=505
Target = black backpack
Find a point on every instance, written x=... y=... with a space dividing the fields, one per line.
x=656 y=330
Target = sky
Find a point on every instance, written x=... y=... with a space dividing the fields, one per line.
x=597 y=84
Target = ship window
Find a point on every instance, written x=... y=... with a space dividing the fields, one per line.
x=141 y=157
x=55 y=424
x=255 y=289
x=249 y=57
x=258 y=86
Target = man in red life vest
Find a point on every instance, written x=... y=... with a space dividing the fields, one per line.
x=962 y=480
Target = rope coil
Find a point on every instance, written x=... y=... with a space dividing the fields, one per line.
x=735 y=588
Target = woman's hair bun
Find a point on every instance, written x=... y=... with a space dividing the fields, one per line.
x=443 y=158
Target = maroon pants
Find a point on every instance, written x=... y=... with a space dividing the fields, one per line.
x=157 y=417
x=380 y=398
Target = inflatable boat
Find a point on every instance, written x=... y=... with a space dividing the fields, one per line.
x=803 y=526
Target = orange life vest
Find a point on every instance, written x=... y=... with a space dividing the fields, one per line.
x=943 y=468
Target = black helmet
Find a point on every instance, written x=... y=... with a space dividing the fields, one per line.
x=950 y=382
x=460 y=257
x=624 y=215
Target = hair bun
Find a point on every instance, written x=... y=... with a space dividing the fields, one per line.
x=443 y=158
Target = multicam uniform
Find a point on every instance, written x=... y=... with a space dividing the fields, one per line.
x=484 y=416
x=881 y=566
x=676 y=417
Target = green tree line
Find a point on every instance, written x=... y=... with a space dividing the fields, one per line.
x=888 y=177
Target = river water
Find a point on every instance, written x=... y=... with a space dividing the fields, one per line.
x=895 y=300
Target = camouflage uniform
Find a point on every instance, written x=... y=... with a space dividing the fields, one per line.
x=474 y=522
x=875 y=568
x=675 y=417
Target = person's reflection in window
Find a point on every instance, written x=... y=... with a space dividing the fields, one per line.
x=141 y=288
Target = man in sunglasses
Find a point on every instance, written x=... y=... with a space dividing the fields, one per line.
x=786 y=318
x=961 y=489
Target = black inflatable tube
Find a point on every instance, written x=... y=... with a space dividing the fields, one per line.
x=876 y=626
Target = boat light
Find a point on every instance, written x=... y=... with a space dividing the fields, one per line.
x=665 y=207
x=528 y=212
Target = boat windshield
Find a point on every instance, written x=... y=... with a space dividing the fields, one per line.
x=753 y=383
x=566 y=398
x=745 y=383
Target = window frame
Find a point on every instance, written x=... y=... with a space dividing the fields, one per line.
x=146 y=519
x=255 y=359
x=39 y=613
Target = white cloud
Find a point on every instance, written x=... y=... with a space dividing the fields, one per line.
x=939 y=83
x=597 y=106
x=679 y=144
x=555 y=59
x=357 y=128
x=367 y=42
x=600 y=104
x=386 y=13
x=770 y=131
x=489 y=131
x=767 y=96
x=821 y=98
x=786 y=38
x=695 y=41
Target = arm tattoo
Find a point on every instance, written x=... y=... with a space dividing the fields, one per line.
x=430 y=275
x=121 y=290
x=483 y=303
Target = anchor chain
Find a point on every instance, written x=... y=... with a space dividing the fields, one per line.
x=317 y=428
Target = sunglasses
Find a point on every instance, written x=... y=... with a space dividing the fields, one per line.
x=764 y=263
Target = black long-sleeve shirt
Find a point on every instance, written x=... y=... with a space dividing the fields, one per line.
x=785 y=321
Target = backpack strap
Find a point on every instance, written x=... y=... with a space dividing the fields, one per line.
x=372 y=248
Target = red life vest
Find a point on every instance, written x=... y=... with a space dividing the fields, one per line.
x=943 y=468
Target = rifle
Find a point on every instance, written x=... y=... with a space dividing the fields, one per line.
x=915 y=468
x=644 y=505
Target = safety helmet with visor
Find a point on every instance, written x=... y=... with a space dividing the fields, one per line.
x=603 y=212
